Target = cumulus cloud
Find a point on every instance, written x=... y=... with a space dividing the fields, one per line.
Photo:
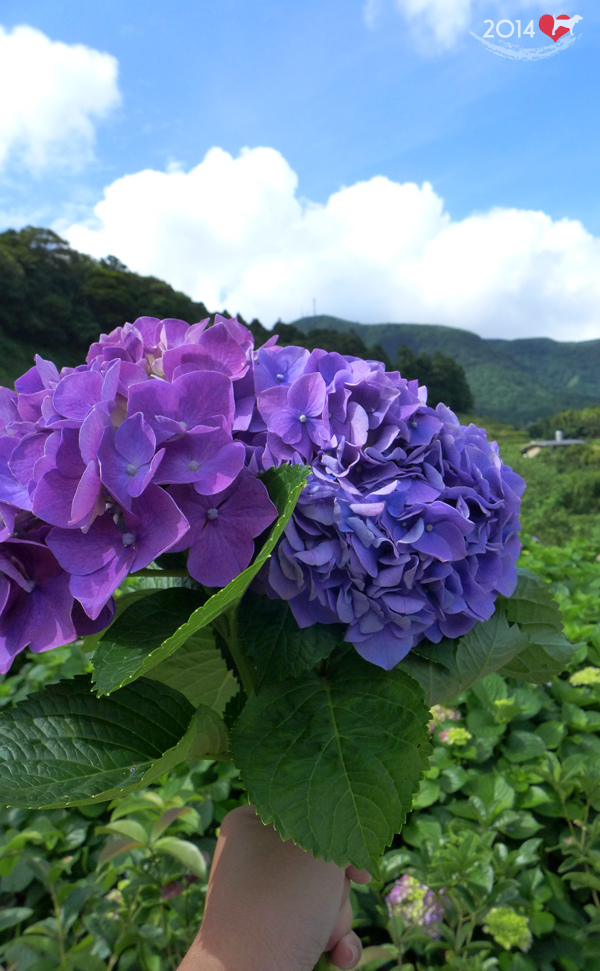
x=234 y=233
x=371 y=12
x=52 y=96
x=443 y=22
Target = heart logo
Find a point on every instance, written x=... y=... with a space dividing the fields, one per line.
x=547 y=26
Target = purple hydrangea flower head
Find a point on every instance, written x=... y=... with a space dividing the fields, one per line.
x=417 y=905
x=408 y=528
x=408 y=534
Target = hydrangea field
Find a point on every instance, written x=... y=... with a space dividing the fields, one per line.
x=498 y=867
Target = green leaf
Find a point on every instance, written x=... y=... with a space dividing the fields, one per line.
x=14 y=915
x=428 y=793
x=577 y=879
x=168 y=817
x=436 y=674
x=546 y=656
x=532 y=602
x=552 y=732
x=206 y=738
x=518 y=825
x=487 y=647
x=523 y=746
x=122 y=601
x=533 y=607
x=133 y=646
x=63 y=746
x=278 y=647
x=447 y=668
x=333 y=759
x=126 y=827
x=117 y=846
x=184 y=851
x=493 y=790
x=199 y=672
x=541 y=922
x=139 y=631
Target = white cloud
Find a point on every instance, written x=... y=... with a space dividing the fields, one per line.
x=446 y=20
x=233 y=233
x=371 y=12
x=52 y=96
x=442 y=23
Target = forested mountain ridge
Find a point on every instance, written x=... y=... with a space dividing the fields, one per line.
x=515 y=381
x=55 y=302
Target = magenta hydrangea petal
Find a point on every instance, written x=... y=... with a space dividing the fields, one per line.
x=82 y=553
x=94 y=590
x=88 y=495
x=156 y=524
x=127 y=459
x=77 y=393
x=37 y=614
x=218 y=556
x=53 y=498
x=307 y=395
x=25 y=456
x=210 y=461
x=204 y=396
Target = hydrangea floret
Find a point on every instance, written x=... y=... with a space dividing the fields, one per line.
x=586 y=677
x=440 y=714
x=508 y=928
x=325 y=557
x=455 y=736
x=417 y=905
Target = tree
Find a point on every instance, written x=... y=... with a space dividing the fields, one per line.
x=343 y=342
x=443 y=377
x=56 y=301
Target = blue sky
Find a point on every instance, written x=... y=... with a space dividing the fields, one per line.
x=407 y=172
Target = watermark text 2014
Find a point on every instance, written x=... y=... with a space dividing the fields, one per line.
x=513 y=38
x=508 y=28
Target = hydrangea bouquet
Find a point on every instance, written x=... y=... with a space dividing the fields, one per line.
x=324 y=557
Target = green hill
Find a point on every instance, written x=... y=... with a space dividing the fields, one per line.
x=55 y=301
x=514 y=381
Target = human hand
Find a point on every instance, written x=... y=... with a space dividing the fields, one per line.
x=271 y=906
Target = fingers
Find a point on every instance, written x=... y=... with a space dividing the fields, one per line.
x=343 y=924
x=347 y=952
x=358 y=876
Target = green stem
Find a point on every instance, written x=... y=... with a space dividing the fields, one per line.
x=59 y=926
x=323 y=964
